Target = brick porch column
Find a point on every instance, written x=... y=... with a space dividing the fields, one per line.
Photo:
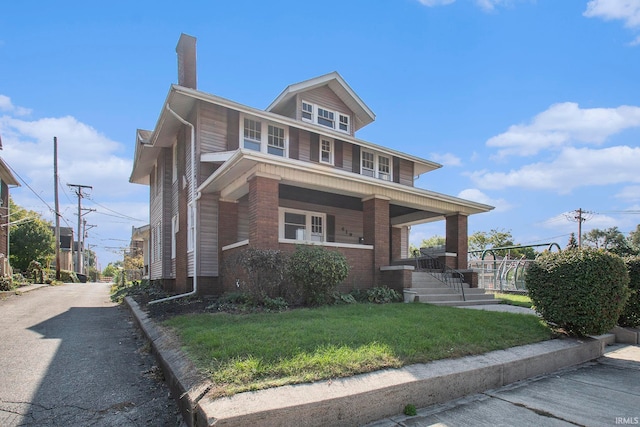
x=376 y=232
x=396 y=243
x=457 y=239
x=263 y=211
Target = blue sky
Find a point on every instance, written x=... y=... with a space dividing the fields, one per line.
x=531 y=106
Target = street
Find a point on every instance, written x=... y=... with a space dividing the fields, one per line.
x=71 y=357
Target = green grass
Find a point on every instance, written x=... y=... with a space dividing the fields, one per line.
x=255 y=351
x=514 y=299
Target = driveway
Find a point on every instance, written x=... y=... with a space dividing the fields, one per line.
x=69 y=356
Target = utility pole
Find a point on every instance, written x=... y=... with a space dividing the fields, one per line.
x=80 y=194
x=579 y=216
x=55 y=185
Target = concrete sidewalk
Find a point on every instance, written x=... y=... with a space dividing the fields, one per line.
x=601 y=393
x=365 y=398
x=22 y=289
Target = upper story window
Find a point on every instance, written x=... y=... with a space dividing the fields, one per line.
x=323 y=116
x=274 y=141
x=375 y=165
x=326 y=151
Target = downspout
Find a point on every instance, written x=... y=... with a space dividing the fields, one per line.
x=194 y=200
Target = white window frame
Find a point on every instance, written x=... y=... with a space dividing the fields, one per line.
x=331 y=150
x=338 y=120
x=265 y=134
x=175 y=227
x=174 y=169
x=309 y=225
x=378 y=166
x=191 y=226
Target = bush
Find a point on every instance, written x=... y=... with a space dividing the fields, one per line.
x=260 y=273
x=581 y=291
x=383 y=295
x=6 y=283
x=631 y=314
x=317 y=272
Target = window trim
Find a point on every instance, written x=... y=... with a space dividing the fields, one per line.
x=191 y=226
x=331 y=150
x=264 y=135
x=376 y=165
x=175 y=227
x=308 y=225
x=174 y=168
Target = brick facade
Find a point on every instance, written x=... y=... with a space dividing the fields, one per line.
x=263 y=212
x=457 y=240
x=376 y=232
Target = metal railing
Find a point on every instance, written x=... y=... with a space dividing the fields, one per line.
x=451 y=277
x=501 y=274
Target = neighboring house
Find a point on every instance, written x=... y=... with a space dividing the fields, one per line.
x=6 y=179
x=140 y=245
x=66 y=246
x=224 y=177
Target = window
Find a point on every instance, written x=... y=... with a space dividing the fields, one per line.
x=302 y=225
x=368 y=163
x=191 y=227
x=375 y=165
x=174 y=230
x=323 y=116
x=326 y=151
x=174 y=169
x=344 y=123
x=274 y=141
x=252 y=134
x=307 y=112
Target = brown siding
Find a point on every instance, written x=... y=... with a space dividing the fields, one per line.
x=314 y=147
x=406 y=172
x=355 y=163
x=212 y=128
x=304 y=144
x=337 y=146
x=325 y=97
x=396 y=169
x=208 y=236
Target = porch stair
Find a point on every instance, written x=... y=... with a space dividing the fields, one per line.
x=430 y=288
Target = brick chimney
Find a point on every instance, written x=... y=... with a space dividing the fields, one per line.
x=186 y=50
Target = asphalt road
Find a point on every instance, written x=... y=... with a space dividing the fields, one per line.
x=71 y=357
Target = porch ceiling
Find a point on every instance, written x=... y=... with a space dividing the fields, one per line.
x=409 y=205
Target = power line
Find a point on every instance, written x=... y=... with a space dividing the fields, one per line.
x=579 y=216
x=120 y=215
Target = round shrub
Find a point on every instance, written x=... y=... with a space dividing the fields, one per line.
x=317 y=272
x=631 y=314
x=581 y=291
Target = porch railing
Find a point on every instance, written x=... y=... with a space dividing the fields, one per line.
x=451 y=277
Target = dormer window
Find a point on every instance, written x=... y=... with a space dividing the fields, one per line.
x=320 y=115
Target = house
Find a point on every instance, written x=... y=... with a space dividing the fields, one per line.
x=66 y=248
x=225 y=176
x=6 y=179
x=140 y=246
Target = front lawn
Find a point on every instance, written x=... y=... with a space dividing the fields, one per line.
x=515 y=299
x=262 y=350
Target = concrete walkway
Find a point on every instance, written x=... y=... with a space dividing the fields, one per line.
x=601 y=393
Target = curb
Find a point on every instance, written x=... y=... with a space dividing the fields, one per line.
x=364 y=398
x=186 y=384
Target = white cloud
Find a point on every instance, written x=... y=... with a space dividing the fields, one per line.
x=635 y=42
x=446 y=159
x=624 y=10
x=486 y=5
x=630 y=193
x=563 y=124
x=573 y=168
x=473 y=194
x=7 y=106
x=85 y=156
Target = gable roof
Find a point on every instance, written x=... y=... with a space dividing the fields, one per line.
x=335 y=82
x=6 y=175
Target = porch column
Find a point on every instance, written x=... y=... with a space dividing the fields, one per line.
x=396 y=243
x=457 y=239
x=227 y=222
x=376 y=232
x=263 y=211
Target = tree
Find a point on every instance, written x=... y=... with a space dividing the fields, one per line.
x=428 y=243
x=634 y=239
x=110 y=270
x=31 y=238
x=573 y=243
x=481 y=240
x=611 y=240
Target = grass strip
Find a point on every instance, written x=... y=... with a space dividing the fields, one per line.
x=261 y=350
x=515 y=299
